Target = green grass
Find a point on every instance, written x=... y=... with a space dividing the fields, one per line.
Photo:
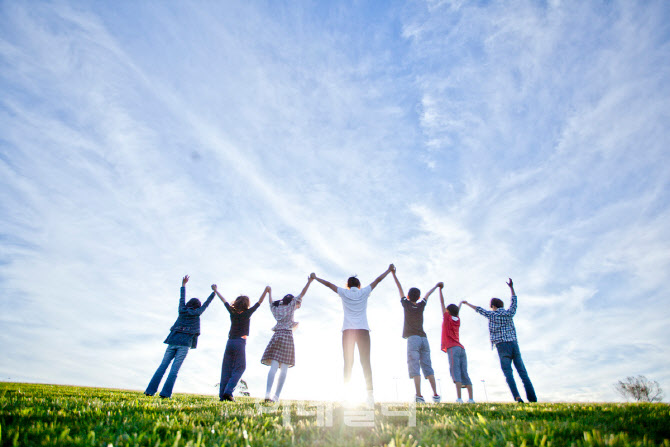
x=53 y=415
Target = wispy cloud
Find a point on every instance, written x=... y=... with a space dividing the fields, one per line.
x=248 y=145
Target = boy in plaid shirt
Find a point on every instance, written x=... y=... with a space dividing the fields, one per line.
x=503 y=337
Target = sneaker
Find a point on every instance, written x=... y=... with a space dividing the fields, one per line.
x=459 y=401
x=228 y=397
x=149 y=395
x=419 y=399
x=437 y=398
x=470 y=401
x=519 y=400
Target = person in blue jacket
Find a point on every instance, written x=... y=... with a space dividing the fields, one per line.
x=183 y=336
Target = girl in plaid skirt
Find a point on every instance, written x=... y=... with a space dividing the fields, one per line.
x=280 y=352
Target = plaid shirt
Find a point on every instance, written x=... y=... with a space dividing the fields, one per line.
x=501 y=325
x=284 y=314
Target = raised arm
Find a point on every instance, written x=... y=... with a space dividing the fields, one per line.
x=379 y=279
x=468 y=304
x=511 y=287
x=425 y=298
x=200 y=310
x=444 y=309
x=182 y=294
x=512 y=307
x=269 y=296
x=397 y=283
x=304 y=289
x=218 y=294
x=330 y=285
x=265 y=292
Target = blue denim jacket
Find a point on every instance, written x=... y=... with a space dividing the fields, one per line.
x=185 y=330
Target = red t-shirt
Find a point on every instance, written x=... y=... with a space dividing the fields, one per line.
x=450 y=331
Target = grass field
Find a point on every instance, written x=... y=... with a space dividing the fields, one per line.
x=52 y=415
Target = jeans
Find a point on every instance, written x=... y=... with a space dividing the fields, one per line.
x=418 y=356
x=458 y=365
x=233 y=366
x=178 y=353
x=509 y=352
x=351 y=338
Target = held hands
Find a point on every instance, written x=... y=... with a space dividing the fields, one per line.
x=312 y=276
x=440 y=285
x=391 y=268
x=184 y=280
x=214 y=287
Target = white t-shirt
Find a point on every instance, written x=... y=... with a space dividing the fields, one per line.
x=355 y=304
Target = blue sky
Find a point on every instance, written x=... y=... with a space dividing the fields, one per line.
x=251 y=143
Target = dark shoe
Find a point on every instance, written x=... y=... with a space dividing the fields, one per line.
x=268 y=399
x=228 y=397
x=519 y=400
x=149 y=395
x=163 y=397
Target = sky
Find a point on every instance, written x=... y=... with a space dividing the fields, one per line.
x=250 y=143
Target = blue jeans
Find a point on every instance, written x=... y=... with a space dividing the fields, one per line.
x=509 y=353
x=178 y=353
x=234 y=364
x=418 y=355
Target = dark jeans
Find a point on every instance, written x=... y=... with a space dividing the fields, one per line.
x=234 y=364
x=178 y=353
x=351 y=337
x=509 y=353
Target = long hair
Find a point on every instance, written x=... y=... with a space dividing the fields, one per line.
x=241 y=304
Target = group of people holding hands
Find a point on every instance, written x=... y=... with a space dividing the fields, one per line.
x=280 y=352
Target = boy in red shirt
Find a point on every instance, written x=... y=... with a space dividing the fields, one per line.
x=458 y=360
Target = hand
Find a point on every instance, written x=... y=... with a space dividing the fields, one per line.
x=510 y=284
x=391 y=268
x=440 y=285
x=268 y=289
x=184 y=281
x=312 y=275
x=464 y=302
x=214 y=287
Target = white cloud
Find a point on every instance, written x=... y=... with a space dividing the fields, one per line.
x=468 y=144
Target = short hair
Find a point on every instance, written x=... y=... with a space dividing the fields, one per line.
x=453 y=310
x=414 y=294
x=193 y=303
x=241 y=304
x=353 y=282
x=497 y=302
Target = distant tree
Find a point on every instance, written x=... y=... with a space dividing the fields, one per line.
x=242 y=388
x=640 y=389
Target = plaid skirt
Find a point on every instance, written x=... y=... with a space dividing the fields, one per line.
x=280 y=349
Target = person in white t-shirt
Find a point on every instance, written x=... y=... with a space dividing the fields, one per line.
x=355 y=329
